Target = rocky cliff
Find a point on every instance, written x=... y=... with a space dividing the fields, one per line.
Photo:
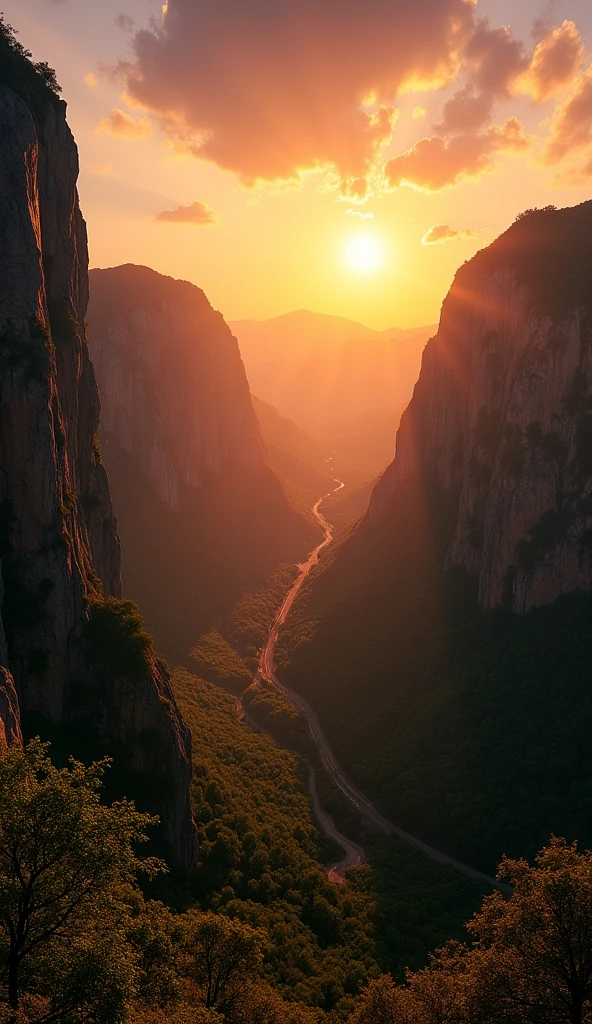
x=173 y=386
x=502 y=412
x=68 y=643
x=203 y=518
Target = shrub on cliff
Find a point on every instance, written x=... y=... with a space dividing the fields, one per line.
x=34 y=81
x=117 y=640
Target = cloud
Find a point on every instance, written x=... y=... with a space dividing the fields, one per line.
x=101 y=170
x=125 y=22
x=493 y=59
x=123 y=125
x=444 y=233
x=571 y=126
x=576 y=176
x=435 y=163
x=90 y=79
x=419 y=113
x=358 y=213
x=267 y=89
x=197 y=213
x=555 y=63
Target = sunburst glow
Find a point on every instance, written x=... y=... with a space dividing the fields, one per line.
x=364 y=254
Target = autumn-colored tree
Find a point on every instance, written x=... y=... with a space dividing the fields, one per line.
x=532 y=959
x=384 y=1002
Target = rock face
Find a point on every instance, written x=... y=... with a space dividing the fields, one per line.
x=204 y=519
x=502 y=412
x=58 y=541
x=173 y=387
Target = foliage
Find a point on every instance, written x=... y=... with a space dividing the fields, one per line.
x=543 y=537
x=66 y=865
x=214 y=659
x=258 y=856
x=530 y=961
x=116 y=638
x=469 y=728
x=269 y=709
x=35 y=82
x=221 y=955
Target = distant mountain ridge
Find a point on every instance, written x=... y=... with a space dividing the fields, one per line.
x=319 y=370
x=340 y=328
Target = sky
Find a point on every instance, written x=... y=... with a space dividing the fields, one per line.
x=333 y=155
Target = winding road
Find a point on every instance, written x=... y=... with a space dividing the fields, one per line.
x=353 y=854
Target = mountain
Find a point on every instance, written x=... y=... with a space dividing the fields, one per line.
x=502 y=412
x=284 y=435
x=319 y=370
x=203 y=518
x=181 y=408
x=296 y=457
x=445 y=643
x=83 y=669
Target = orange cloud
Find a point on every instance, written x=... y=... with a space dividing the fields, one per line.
x=123 y=125
x=91 y=80
x=268 y=90
x=571 y=126
x=555 y=63
x=358 y=213
x=419 y=113
x=197 y=213
x=436 y=163
x=439 y=233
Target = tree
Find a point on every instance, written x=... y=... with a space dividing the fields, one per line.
x=532 y=960
x=384 y=1002
x=67 y=872
x=220 y=953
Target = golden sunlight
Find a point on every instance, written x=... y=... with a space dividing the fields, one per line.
x=364 y=253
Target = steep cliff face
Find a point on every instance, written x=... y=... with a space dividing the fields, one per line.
x=203 y=519
x=502 y=412
x=174 y=390
x=58 y=541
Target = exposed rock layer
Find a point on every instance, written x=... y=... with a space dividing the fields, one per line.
x=58 y=540
x=502 y=412
x=173 y=386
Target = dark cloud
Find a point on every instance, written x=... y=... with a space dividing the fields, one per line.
x=493 y=60
x=197 y=213
x=267 y=89
x=125 y=22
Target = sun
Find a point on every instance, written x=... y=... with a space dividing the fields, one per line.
x=364 y=253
